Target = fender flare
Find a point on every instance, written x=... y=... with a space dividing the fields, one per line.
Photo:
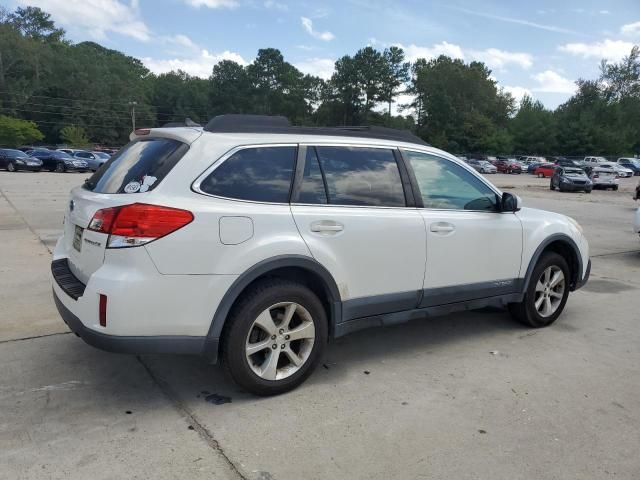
x=548 y=241
x=261 y=268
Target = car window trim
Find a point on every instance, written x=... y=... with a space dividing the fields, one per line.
x=302 y=159
x=416 y=187
x=195 y=185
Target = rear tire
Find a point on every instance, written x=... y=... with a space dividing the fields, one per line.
x=269 y=303
x=544 y=301
x=11 y=167
x=615 y=189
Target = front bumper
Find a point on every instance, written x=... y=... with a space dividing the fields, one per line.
x=581 y=283
x=576 y=188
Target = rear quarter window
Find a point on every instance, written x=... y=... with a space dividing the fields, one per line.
x=140 y=166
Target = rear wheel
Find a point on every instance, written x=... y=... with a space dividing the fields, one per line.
x=615 y=189
x=276 y=336
x=11 y=167
x=547 y=293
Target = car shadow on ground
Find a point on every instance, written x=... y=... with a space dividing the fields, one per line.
x=344 y=355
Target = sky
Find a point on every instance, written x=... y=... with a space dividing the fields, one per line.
x=535 y=47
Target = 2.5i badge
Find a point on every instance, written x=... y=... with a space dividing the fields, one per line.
x=132 y=187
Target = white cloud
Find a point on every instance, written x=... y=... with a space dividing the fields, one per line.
x=499 y=59
x=413 y=52
x=212 y=3
x=182 y=41
x=199 y=66
x=320 y=67
x=630 y=28
x=518 y=92
x=610 y=49
x=95 y=18
x=271 y=4
x=307 y=24
x=604 y=12
x=552 y=82
x=493 y=57
x=518 y=21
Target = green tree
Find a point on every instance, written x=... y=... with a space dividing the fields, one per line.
x=533 y=128
x=35 y=23
x=395 y=75
x=15 y=132
x=74 y=136
x=229 y=88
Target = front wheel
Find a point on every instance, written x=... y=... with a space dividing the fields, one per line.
x=276 y=335
x=60 y=168
x=546 y=294
x=551 y=185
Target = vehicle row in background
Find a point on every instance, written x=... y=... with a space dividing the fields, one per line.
x=60 y=160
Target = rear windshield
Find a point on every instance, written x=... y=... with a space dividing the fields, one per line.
x=138 y=167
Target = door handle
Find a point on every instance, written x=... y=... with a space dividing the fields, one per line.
x=442 y=227
x=326 y=226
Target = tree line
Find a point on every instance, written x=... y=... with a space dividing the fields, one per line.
x=53 y=90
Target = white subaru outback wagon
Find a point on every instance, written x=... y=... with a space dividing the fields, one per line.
x=254 y=242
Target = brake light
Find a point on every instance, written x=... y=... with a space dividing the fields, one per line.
x=138 y=223
x=102 y=310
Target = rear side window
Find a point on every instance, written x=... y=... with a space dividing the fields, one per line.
x=260 y=174
x=361 y=176
x=138 y=167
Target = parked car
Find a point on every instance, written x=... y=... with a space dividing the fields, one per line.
x=482 y=166
x=13 y=160
x=545 y=170
x=593 y=161
x=58 y=161
x=603 y=177
x=529 y=159
x=508 y=166
x=636 y=223
x=565 y=162
x=570 y=179
x=94 y=160
x=630 y=163
x=620 y=170
x=248 y=253
x=103 y=155
x=531 y=167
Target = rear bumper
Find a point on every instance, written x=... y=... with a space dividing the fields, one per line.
x=135 y=345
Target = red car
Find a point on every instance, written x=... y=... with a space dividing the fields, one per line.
x=508 y=166
x=545 y=170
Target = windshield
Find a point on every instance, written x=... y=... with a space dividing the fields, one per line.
x=15 y=154
x=573 y=171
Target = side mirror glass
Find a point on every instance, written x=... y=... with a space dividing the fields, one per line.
x=510 y=202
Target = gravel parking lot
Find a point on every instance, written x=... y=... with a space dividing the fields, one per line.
x=471 y=395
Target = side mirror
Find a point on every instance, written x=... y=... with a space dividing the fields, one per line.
x=510 y=202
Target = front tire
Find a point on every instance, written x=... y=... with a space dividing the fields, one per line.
x=547 y=293
x=60 y=168
x=551 y=185
x=276 y=336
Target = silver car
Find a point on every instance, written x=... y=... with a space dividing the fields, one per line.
x=93 y=159
x=482 y=166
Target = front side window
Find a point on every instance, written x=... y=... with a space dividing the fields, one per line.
x=259 y=174
x=446 y=185
x=359 y=176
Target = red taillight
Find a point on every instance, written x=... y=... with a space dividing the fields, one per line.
x=102 y=310
x=138 y=223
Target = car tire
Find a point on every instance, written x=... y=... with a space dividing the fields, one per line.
x=587 y=191
x=60 y=168
x=11 y=167
x=543 y=302
x=268 y=302
x=615 y=189
x=551 y=186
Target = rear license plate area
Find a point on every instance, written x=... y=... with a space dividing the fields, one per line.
x=77 y=238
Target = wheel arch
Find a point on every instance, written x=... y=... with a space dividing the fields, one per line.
x=563 y=245
x=297 y=267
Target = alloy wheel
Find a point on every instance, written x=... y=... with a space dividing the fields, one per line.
x=549 y=291
x=280 y=341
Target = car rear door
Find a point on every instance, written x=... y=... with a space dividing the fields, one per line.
x=352 y=211
x=473 y=251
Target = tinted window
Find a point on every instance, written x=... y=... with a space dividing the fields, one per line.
x=446 y=185
x=260 y=174
x=139 y=166
x=83 y=155
x=361 y=176
x=312 y=189
x=13 y=153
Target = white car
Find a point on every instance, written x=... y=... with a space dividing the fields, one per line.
x=593 y=161
x=636 y=225
x=254 y=242
x=604 y=177
x=622 y=171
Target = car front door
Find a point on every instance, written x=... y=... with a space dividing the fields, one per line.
x=473 y=250
x=351 y=209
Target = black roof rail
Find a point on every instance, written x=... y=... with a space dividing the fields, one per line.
x=238 y=123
